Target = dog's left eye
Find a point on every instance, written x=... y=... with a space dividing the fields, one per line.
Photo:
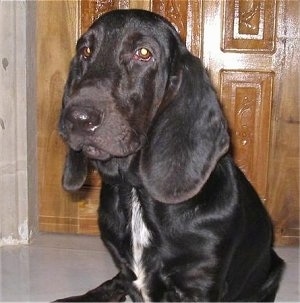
x=86 y=52
x=143 y=54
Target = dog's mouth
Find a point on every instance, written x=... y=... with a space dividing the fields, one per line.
x=95 y=153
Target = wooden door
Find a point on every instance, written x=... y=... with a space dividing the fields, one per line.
x=250 y=51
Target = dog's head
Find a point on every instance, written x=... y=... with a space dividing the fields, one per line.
x=134 y=87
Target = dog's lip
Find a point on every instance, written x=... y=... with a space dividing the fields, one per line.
x=95 y=153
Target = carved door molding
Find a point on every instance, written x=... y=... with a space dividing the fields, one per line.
x=249 y=26
x=247 y=101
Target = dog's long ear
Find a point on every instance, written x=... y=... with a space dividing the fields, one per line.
x=186 y=139
x=75 y=170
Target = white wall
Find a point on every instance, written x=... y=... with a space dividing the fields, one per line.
x=18 y=204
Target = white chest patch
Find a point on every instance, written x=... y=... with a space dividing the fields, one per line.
x=140 y=239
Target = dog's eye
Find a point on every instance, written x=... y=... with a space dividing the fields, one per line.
x=143 y=54
x=86 y=52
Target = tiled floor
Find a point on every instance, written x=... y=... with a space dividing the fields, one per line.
x=45 y=270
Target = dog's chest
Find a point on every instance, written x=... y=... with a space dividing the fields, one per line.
x=141 y=238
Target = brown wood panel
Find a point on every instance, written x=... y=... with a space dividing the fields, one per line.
x=57 y=23
x=91 y=10
x=249 y=25
x=247 y=101
x=187 y=18
x=283 y=181
x=175 y=12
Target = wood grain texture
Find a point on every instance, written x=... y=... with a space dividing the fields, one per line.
x=283 y=181
x=91 y=10
x=175 y=12
x=59 y=211
x=186 y=16
x=249 y=26
x=247 y=101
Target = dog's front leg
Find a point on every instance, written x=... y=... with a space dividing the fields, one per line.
x=110 y=291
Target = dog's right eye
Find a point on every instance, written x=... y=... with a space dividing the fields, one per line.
x=86 y=52
x=143 y=54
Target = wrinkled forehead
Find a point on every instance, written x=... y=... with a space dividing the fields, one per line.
x=120 y=19
x=116 y=24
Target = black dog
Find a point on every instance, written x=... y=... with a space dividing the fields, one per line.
x=179 y=218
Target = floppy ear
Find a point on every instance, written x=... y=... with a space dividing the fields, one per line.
x=186 y=139
x=75 y=171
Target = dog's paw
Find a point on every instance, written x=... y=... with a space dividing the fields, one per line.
x=98 y=294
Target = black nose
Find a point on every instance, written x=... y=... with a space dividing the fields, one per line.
x=83 y=119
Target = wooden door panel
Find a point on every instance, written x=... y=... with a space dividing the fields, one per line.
x=247 y=99
x=175 y=11
x=250 y=50
x=249 y=26
x=186 y=16
x=91 y=10
x=59 y=211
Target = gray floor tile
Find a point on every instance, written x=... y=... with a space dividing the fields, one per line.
x=46 y=270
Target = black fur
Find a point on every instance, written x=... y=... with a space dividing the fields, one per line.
x=151 y=121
